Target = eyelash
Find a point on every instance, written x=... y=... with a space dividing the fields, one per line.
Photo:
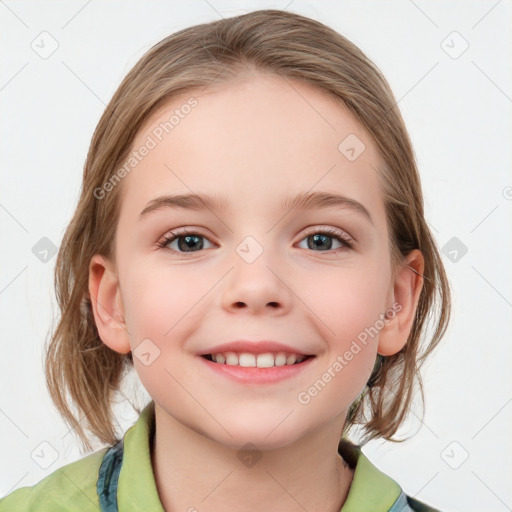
x=335 y=233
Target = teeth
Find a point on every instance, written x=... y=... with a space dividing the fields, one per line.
x=231 y=359
x=248 y=360
x=280 y=359
x=291 y=359
x=265 y=360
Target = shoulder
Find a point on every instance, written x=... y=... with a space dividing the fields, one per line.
x=372 y=489
x=71 y=487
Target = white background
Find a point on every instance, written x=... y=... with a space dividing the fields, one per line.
x=458 y=112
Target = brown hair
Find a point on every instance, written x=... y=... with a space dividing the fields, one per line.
x=81 y=370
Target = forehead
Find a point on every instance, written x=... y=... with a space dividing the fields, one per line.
x=254 y=141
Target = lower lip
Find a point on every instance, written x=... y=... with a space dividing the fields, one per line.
x=254 y=375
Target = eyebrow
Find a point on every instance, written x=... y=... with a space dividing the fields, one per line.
x=302 y=201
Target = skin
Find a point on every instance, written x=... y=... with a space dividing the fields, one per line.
x=257 y=140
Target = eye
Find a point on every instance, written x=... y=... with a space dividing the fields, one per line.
x=318 y=238
x=187 y=241
x=321 y=238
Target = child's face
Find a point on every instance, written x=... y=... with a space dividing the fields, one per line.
x=254 y=142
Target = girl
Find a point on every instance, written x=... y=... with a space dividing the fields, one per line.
x=229 y=154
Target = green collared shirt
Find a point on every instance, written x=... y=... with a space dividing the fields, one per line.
x=120 y=478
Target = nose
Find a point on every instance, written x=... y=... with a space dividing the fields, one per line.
x=257 y=287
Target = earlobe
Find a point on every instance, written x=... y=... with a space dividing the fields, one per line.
x=107 y=304
x=406 y=292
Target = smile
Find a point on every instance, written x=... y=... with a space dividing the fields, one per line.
x=248 y=360
x=265 y=368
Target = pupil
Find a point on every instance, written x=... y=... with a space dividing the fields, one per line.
x=189 y=242
x=320 y=238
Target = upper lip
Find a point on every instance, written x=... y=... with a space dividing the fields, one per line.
x=254 y=347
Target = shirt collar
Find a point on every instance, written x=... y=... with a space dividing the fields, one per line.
x=370 y=489
x=137 y=489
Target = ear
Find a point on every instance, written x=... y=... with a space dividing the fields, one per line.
x=107 y=304
x=405 y=294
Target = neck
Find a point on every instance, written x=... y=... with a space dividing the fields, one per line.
x=193 y=472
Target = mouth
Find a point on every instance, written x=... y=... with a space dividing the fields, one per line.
x=261 y=360
x=252 y=369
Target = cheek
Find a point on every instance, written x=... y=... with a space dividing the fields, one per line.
x=337 y=385
x=347 y=300
x=345 y=309
x=160 y=308
x=160 y=300
x=349 y=307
